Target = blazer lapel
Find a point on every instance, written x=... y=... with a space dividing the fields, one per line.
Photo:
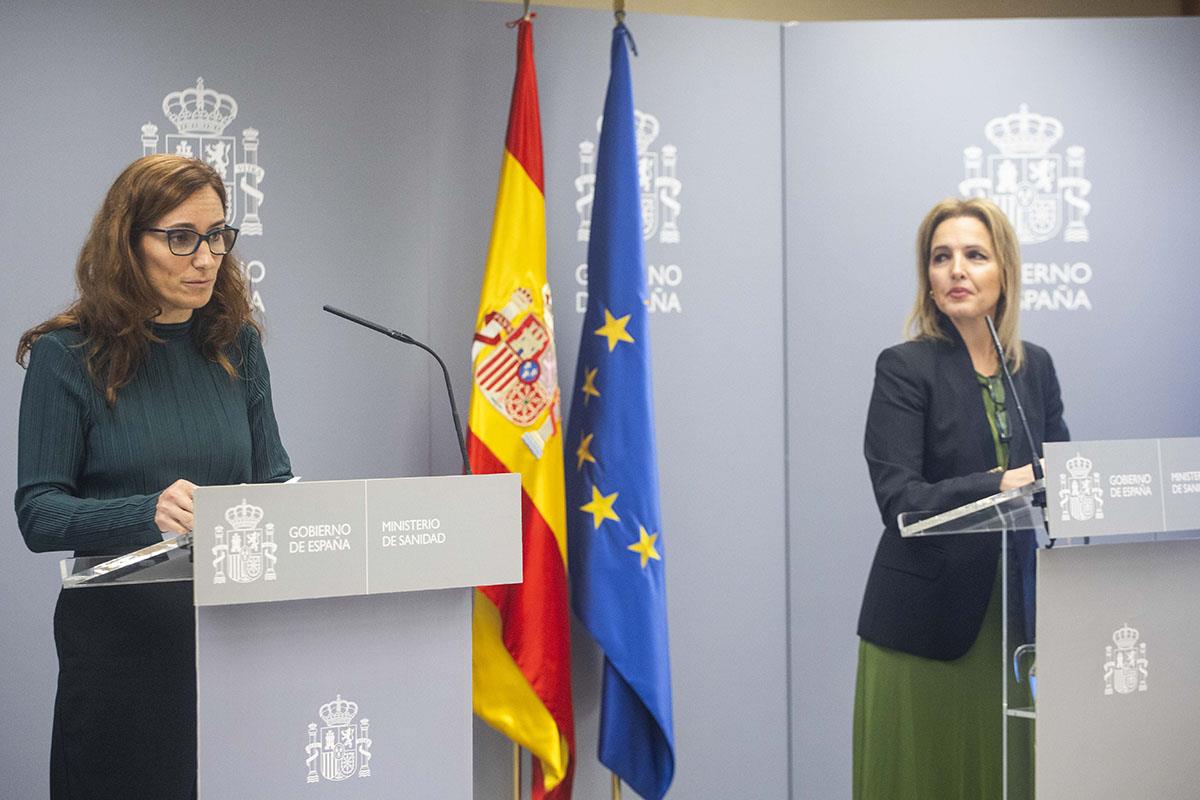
x=961 y=382
x=1018 y=446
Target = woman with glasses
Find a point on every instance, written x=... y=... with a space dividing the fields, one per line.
x=940 y=433
x=152 y=382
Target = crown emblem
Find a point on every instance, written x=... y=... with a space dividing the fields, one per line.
x=199 y=110
x=645 y=127
x=1125 y=637
x=338 y=712
x=1024 y=133
x=646 y=130
x=1079 y=467
x=244 y=517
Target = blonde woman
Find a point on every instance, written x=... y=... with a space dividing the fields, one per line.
x=941 y=432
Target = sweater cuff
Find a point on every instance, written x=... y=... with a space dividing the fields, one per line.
x=144 y=514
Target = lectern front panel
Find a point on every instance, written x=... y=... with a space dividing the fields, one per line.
x=1118 y=705
x=350 y=697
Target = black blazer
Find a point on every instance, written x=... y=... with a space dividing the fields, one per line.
x=929 y=448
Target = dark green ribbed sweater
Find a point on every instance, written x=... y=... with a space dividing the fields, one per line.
x=89 y=476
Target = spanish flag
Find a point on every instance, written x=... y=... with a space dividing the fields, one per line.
x=522 y=659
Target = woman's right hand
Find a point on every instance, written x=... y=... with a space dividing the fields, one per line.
x=173 y=514
x=1018 y=477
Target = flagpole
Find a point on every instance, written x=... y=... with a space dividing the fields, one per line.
x=619 y=16
x=516 y=771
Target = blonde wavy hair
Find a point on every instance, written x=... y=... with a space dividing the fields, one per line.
x=925 y=321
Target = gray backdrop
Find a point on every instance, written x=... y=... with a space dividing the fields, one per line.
x=342 y=216
x=877 y=118
x=380 y=135
x=714 y=88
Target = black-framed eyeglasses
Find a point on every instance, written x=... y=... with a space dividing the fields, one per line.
x=995 y=390
x=185 y=241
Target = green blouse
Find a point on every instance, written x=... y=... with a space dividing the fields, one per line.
x=89 y=476
x=992 y=387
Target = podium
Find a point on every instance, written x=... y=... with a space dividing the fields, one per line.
x=333 y=629
x=1112 y=683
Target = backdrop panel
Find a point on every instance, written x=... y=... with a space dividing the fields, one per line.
x=362 y=163
x=881 y=121
x=330 y=109
x=708 y=92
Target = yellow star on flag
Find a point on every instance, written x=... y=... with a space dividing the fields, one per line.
x=614 y=329
x=583 y=453
x=601 y=507
x=644 y=546
x=589 y=384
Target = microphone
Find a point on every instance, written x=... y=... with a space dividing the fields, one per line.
x=1039 y=498
x=404 y=337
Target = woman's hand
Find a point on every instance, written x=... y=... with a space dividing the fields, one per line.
x=173 y=514
x=1019 y=476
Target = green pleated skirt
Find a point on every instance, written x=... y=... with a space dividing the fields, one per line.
x=932 y=730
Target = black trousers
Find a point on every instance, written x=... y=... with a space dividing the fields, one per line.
x=125 y=714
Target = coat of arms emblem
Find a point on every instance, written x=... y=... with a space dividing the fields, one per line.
x=246 y=552
x=1125 y=667
x=339 y=743
x=1027 y=180
x=515 y=367
x=200 y=116
x=1081 y=496
x=660 y=187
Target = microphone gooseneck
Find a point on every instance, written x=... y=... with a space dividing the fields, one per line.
x=1035 y=461
x=404 y=337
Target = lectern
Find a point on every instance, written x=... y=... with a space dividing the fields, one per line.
x=333 y=630
x=1115 y=689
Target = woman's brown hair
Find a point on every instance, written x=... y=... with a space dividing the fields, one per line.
x=116 y=301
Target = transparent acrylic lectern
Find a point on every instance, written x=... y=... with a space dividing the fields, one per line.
x=1005 y=513
x=169 y=560
x=1118 y=700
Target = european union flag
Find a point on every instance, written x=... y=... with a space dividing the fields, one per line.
x=618 y=586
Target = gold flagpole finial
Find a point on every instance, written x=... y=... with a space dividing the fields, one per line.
x=527 y=15
x=619 y=10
